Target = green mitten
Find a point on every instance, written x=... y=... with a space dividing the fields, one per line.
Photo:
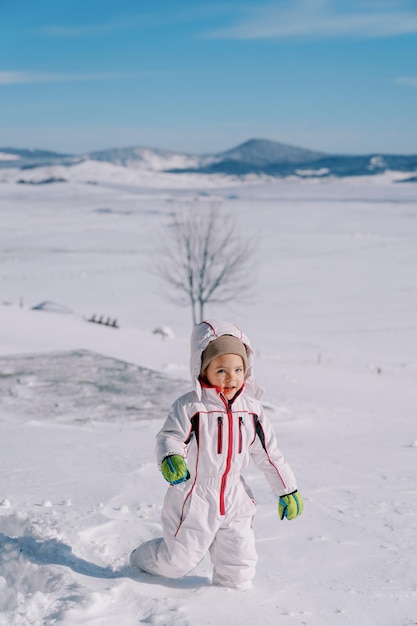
x=174 y=469
x=290 y=506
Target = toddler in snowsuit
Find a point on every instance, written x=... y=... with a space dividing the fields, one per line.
x=207 y=440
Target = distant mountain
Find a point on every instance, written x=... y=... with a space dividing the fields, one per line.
x=24 y=159
x=256 y=156
x=262 y=152
x=259 y=156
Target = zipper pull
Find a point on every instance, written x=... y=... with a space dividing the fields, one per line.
x=241 y=423
x=219 y=434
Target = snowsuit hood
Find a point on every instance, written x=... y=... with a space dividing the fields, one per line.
x=209 y=330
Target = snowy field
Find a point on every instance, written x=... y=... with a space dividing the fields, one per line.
x=333 y=321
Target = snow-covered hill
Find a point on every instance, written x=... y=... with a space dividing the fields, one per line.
x=256 y=157
x=334 y=332
x=148 y=158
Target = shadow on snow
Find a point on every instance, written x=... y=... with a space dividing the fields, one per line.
x=53 y=552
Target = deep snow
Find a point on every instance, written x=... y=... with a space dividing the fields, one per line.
x=334 y=329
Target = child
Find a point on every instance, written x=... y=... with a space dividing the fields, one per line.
x=208 y=439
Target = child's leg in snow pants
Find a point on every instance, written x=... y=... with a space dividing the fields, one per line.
x=233 y=554
x=229 y=539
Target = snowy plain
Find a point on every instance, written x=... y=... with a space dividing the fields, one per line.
x=333 y=323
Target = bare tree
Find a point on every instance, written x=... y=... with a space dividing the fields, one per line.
x=205 y=259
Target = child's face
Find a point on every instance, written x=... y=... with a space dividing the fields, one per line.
x=227 y=373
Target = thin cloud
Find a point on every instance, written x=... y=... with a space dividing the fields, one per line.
x=320 y=19
x=174 y=15
x=411 y=81
x=28 y=77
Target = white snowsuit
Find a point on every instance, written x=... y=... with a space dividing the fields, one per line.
x=214 y=509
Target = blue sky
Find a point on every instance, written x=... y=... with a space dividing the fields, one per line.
x=332 y=75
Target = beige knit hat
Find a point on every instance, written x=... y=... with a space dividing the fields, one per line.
x=225 y=344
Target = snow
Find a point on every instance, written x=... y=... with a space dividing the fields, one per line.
x=149 y=172
x=322 y=171
x=163 y=161
x=376 y=161
x=334 y=330
x=136 y=175
x=6 y=156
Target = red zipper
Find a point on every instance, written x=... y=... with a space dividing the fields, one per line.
x=229 y=457
x=219 y=434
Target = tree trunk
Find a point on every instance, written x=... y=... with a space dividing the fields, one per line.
x=201 y=310
x=193 y=309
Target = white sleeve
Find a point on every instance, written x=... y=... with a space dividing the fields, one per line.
x=270 y=460
x=174 y=433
